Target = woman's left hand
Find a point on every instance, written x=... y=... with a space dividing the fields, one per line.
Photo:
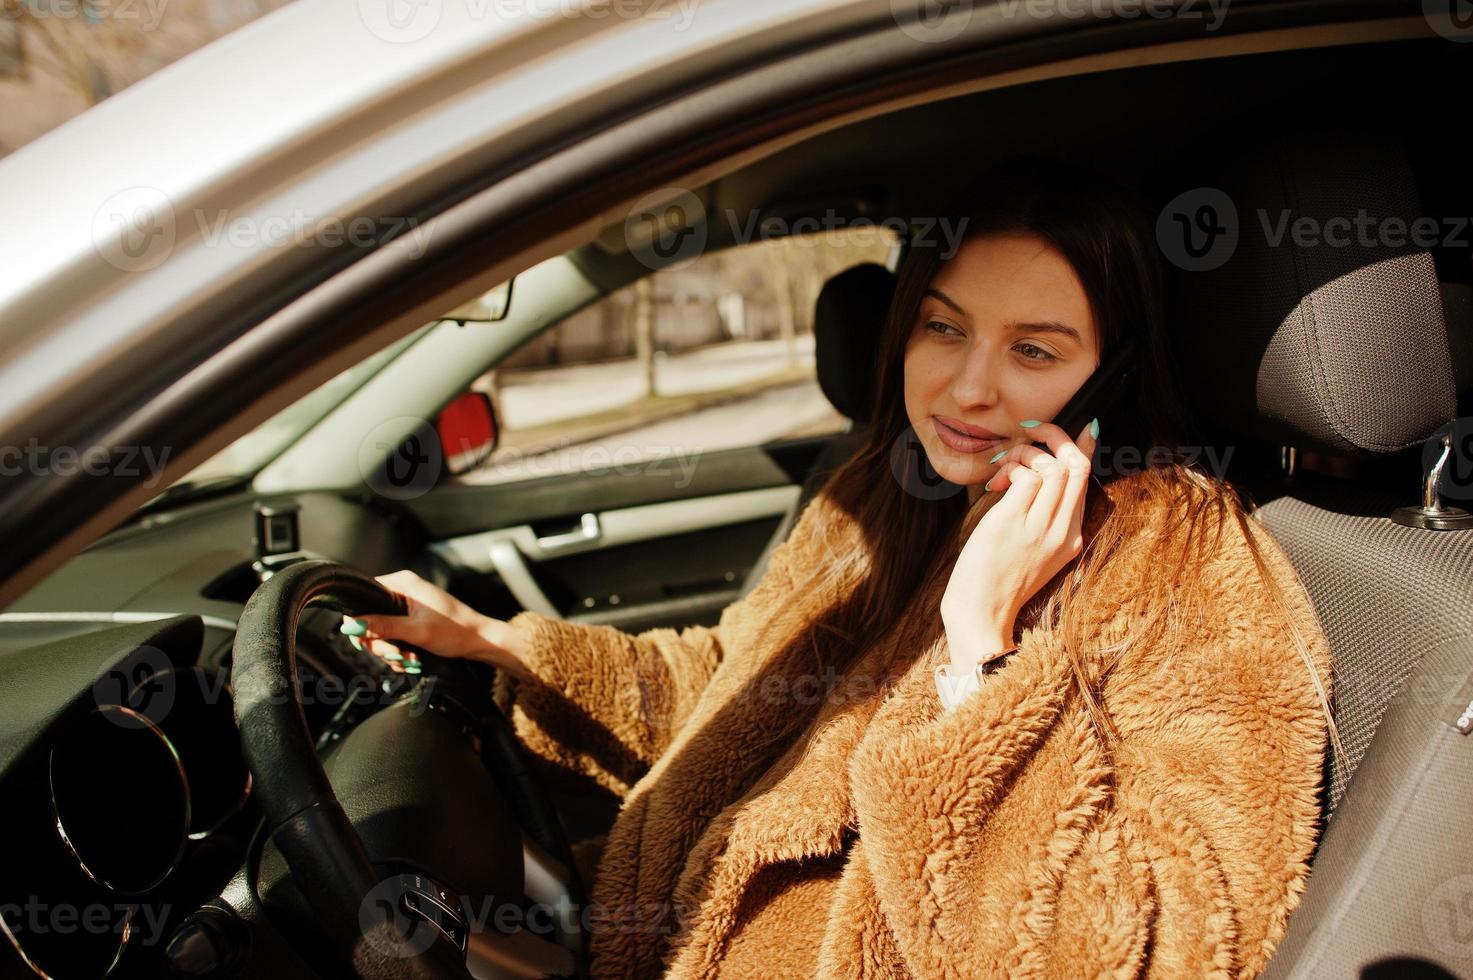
x=1019 y=544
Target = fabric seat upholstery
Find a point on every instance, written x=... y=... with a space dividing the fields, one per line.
x=1347 y=353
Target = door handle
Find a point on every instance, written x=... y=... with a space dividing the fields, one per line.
x=588 y=532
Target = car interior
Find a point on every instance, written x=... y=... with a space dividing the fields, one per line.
x=1324 y=378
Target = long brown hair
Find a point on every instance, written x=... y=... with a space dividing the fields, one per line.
x=913 y=524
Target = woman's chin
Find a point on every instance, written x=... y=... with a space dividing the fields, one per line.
x=966 y=471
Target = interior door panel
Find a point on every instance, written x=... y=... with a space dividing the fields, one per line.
x=634 y=550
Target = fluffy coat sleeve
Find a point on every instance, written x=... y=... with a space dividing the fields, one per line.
x=1179 y=854
x=602 y=704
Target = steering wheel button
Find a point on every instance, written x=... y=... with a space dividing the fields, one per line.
x=438 y=915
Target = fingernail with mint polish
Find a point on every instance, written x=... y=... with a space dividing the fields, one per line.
x=357 y=643
x=1094 y=428
x=353 y=627
x=1000 y=455
x=1029 y=423
x=394 y=656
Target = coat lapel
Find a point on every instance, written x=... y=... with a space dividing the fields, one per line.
x=802 y=807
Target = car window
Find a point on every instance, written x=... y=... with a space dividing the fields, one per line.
x=256 y=448
x=714 y=354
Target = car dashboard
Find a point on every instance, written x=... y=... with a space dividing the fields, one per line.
x=120 y=761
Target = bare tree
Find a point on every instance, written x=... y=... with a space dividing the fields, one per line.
x=72 y=54
x=644 y=330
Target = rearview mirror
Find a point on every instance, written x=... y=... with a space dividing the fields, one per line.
x=468 y=432
x=490 y=307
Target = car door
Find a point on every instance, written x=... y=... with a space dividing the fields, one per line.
x=650 y=444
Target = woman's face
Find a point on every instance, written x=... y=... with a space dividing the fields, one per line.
x=1004 y=334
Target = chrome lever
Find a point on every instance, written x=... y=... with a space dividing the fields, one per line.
x=588 y=532
x=1433 y=515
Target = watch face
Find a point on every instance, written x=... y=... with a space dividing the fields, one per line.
x=989 y=666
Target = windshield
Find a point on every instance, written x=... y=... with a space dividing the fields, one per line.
x=252 y=451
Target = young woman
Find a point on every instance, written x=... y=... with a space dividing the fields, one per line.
x=1066 y=722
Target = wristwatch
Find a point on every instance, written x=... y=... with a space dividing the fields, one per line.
x=954 y=689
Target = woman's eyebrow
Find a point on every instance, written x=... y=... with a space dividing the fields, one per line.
x=1042 y=326
x=938 y=294
x=1048 y=326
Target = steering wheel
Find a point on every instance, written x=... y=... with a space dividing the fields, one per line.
x=374 y=920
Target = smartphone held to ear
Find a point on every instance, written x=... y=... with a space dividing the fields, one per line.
x=1103 y=390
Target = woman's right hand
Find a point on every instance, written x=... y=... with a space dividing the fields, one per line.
x=438 y=622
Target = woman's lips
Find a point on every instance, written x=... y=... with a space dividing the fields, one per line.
x=963 y=442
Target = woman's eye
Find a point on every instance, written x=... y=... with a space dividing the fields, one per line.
x=1042 y=354
x=945 y=329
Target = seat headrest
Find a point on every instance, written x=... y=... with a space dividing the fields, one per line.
x=1309 y=332
x=847 y=320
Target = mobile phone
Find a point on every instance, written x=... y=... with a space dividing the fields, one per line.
x=1102 y=391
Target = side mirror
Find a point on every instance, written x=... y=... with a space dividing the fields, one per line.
x=468 y=432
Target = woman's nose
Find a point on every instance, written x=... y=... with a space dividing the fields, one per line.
x=973 y=383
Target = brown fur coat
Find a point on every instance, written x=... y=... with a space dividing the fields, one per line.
x=892 y=838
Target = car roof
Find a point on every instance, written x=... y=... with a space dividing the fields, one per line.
x=325 y=112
